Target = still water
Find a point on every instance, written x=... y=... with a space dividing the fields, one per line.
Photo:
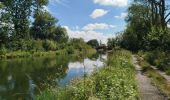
x=24 y=78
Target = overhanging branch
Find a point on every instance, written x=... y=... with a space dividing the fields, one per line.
x=167 y=15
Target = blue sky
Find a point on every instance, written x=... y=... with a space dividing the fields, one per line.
x=90 y=19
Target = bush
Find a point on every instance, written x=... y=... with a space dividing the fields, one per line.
x=49 y=45
x=25 y=45
x=159 y=59
x=3 y=50
x=70 y=50
x=37 y=45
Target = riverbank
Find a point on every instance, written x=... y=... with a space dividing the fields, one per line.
x=25 y=54
x=157 y=58
x=115 y=81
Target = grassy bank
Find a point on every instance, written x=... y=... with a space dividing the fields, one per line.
x=159 y=59
x=25 y=54
x=78 y=49
x=156 y=78
x=116 y=81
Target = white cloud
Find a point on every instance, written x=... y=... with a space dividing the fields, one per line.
x=115 y=3
x=98 y=13
x=88 y=35
x=97 y=26
x=122 y=16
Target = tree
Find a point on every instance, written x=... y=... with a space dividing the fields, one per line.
x=111 y=43
x=6 y=26
x=20 y=11
x=43 y=26
x=60 y=34
x=94 y=43
x=137 y=28
x=147 y=25
x=159 y=12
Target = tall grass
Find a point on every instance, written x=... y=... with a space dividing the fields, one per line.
x=116 y=81
x=159 y=59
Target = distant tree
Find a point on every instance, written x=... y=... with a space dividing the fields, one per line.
x=111 y=43
x=76 y=40
x=94 y=43
x=130 y=41
x=60 y=34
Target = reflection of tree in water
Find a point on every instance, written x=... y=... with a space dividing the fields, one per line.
x=94 y=56
x=48 y=75
x=18 y=78
x=24 y=78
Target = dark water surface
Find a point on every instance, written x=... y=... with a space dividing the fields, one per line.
x=22 y=79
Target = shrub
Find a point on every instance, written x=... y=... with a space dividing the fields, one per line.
x=37 y=45
x=3 y=50
x=70 y=50
x=159 y=59
x=49 y=45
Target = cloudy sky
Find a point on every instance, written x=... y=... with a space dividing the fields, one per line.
x=90 y=19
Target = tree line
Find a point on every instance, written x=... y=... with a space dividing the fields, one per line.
x=146 y=28
x=24 y=23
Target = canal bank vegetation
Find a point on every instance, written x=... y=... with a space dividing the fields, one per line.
x=46 y=48
x=115 y=81
x=20 y=37
x=147 y=32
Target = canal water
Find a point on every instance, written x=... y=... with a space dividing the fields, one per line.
x=22 y=79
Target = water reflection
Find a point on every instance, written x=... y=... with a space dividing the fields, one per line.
x=23 y=78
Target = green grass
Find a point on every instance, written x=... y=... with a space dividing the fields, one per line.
x=116 y=81
x=156 y=78
x=159 y=59
x=25 y=54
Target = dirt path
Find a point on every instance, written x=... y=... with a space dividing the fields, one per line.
x=146 y=90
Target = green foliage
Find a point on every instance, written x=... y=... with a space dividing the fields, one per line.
x=145 y=30
x=70 y=50
x=111 y=43
x=49 y=45
x=5 y=27
x=94 y=43
x=137 y=28
x=159 y=59
x=154 y=39
x=60 y=35
x=19 y=13
x=40 y=3
x=116 y=81
x=3 y=50
x=37 y=45
x=43 y=25
x=47 y=95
